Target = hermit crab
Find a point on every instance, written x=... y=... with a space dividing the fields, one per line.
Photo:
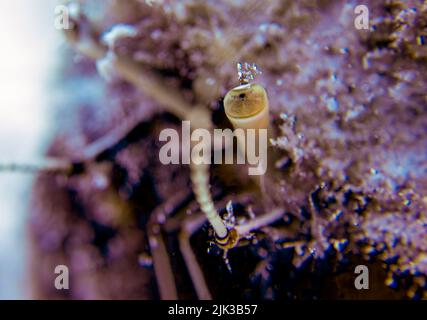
x=340 y=182
x=246 y=107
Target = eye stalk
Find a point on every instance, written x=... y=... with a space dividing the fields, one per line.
x=247 y=107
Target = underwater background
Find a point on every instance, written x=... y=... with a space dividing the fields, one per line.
x=347 y=154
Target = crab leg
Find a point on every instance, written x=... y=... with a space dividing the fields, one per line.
x=46 y=165
x=190 y=226
x=260 y=222
x=162 y=266
x=84 y=40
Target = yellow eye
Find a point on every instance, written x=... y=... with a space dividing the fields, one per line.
x=247 y=107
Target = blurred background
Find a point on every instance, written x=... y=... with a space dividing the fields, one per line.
x=29 y=44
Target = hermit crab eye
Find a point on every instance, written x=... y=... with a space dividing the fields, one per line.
x=246 y=106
